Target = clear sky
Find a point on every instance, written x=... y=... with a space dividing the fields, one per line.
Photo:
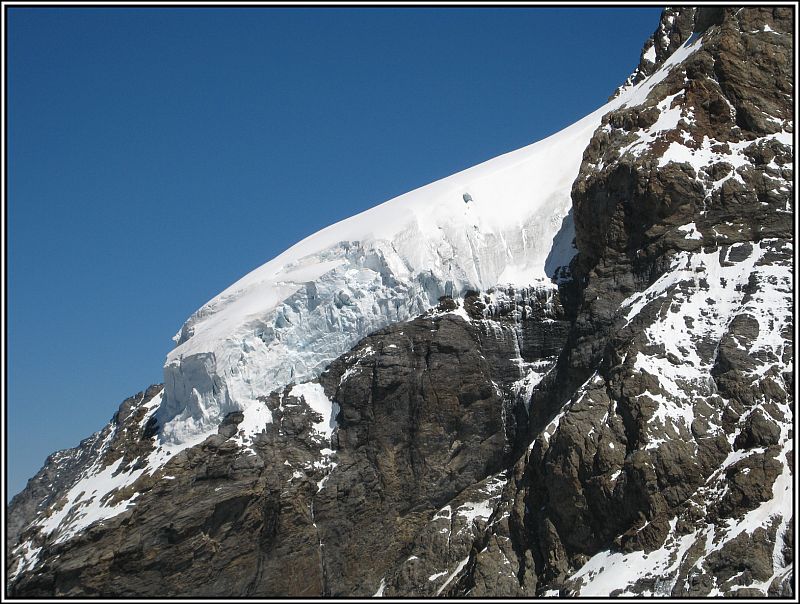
x=156 y=155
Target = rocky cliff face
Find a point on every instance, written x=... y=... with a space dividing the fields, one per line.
x=682 y=340
x=628 y=433
x=432 y=413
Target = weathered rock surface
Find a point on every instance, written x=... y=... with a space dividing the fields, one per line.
x=628 y=433
x=421 y=427
x=682 y=339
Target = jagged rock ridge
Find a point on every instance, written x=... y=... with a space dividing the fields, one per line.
x=628 y=432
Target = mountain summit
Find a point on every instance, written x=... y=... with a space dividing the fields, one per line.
x=565 y=371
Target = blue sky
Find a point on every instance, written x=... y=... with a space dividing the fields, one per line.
x=157 y=155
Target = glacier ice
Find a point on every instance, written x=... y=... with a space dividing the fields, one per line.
x=286 y=320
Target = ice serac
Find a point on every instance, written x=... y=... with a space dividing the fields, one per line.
x=506 y=221
x=286 y=320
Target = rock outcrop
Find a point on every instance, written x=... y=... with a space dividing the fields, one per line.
x=424 y=424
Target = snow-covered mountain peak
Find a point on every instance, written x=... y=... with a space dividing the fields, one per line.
x=503 y=222
x=628 y=432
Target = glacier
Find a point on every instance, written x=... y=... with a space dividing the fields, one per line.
x=505 y=222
